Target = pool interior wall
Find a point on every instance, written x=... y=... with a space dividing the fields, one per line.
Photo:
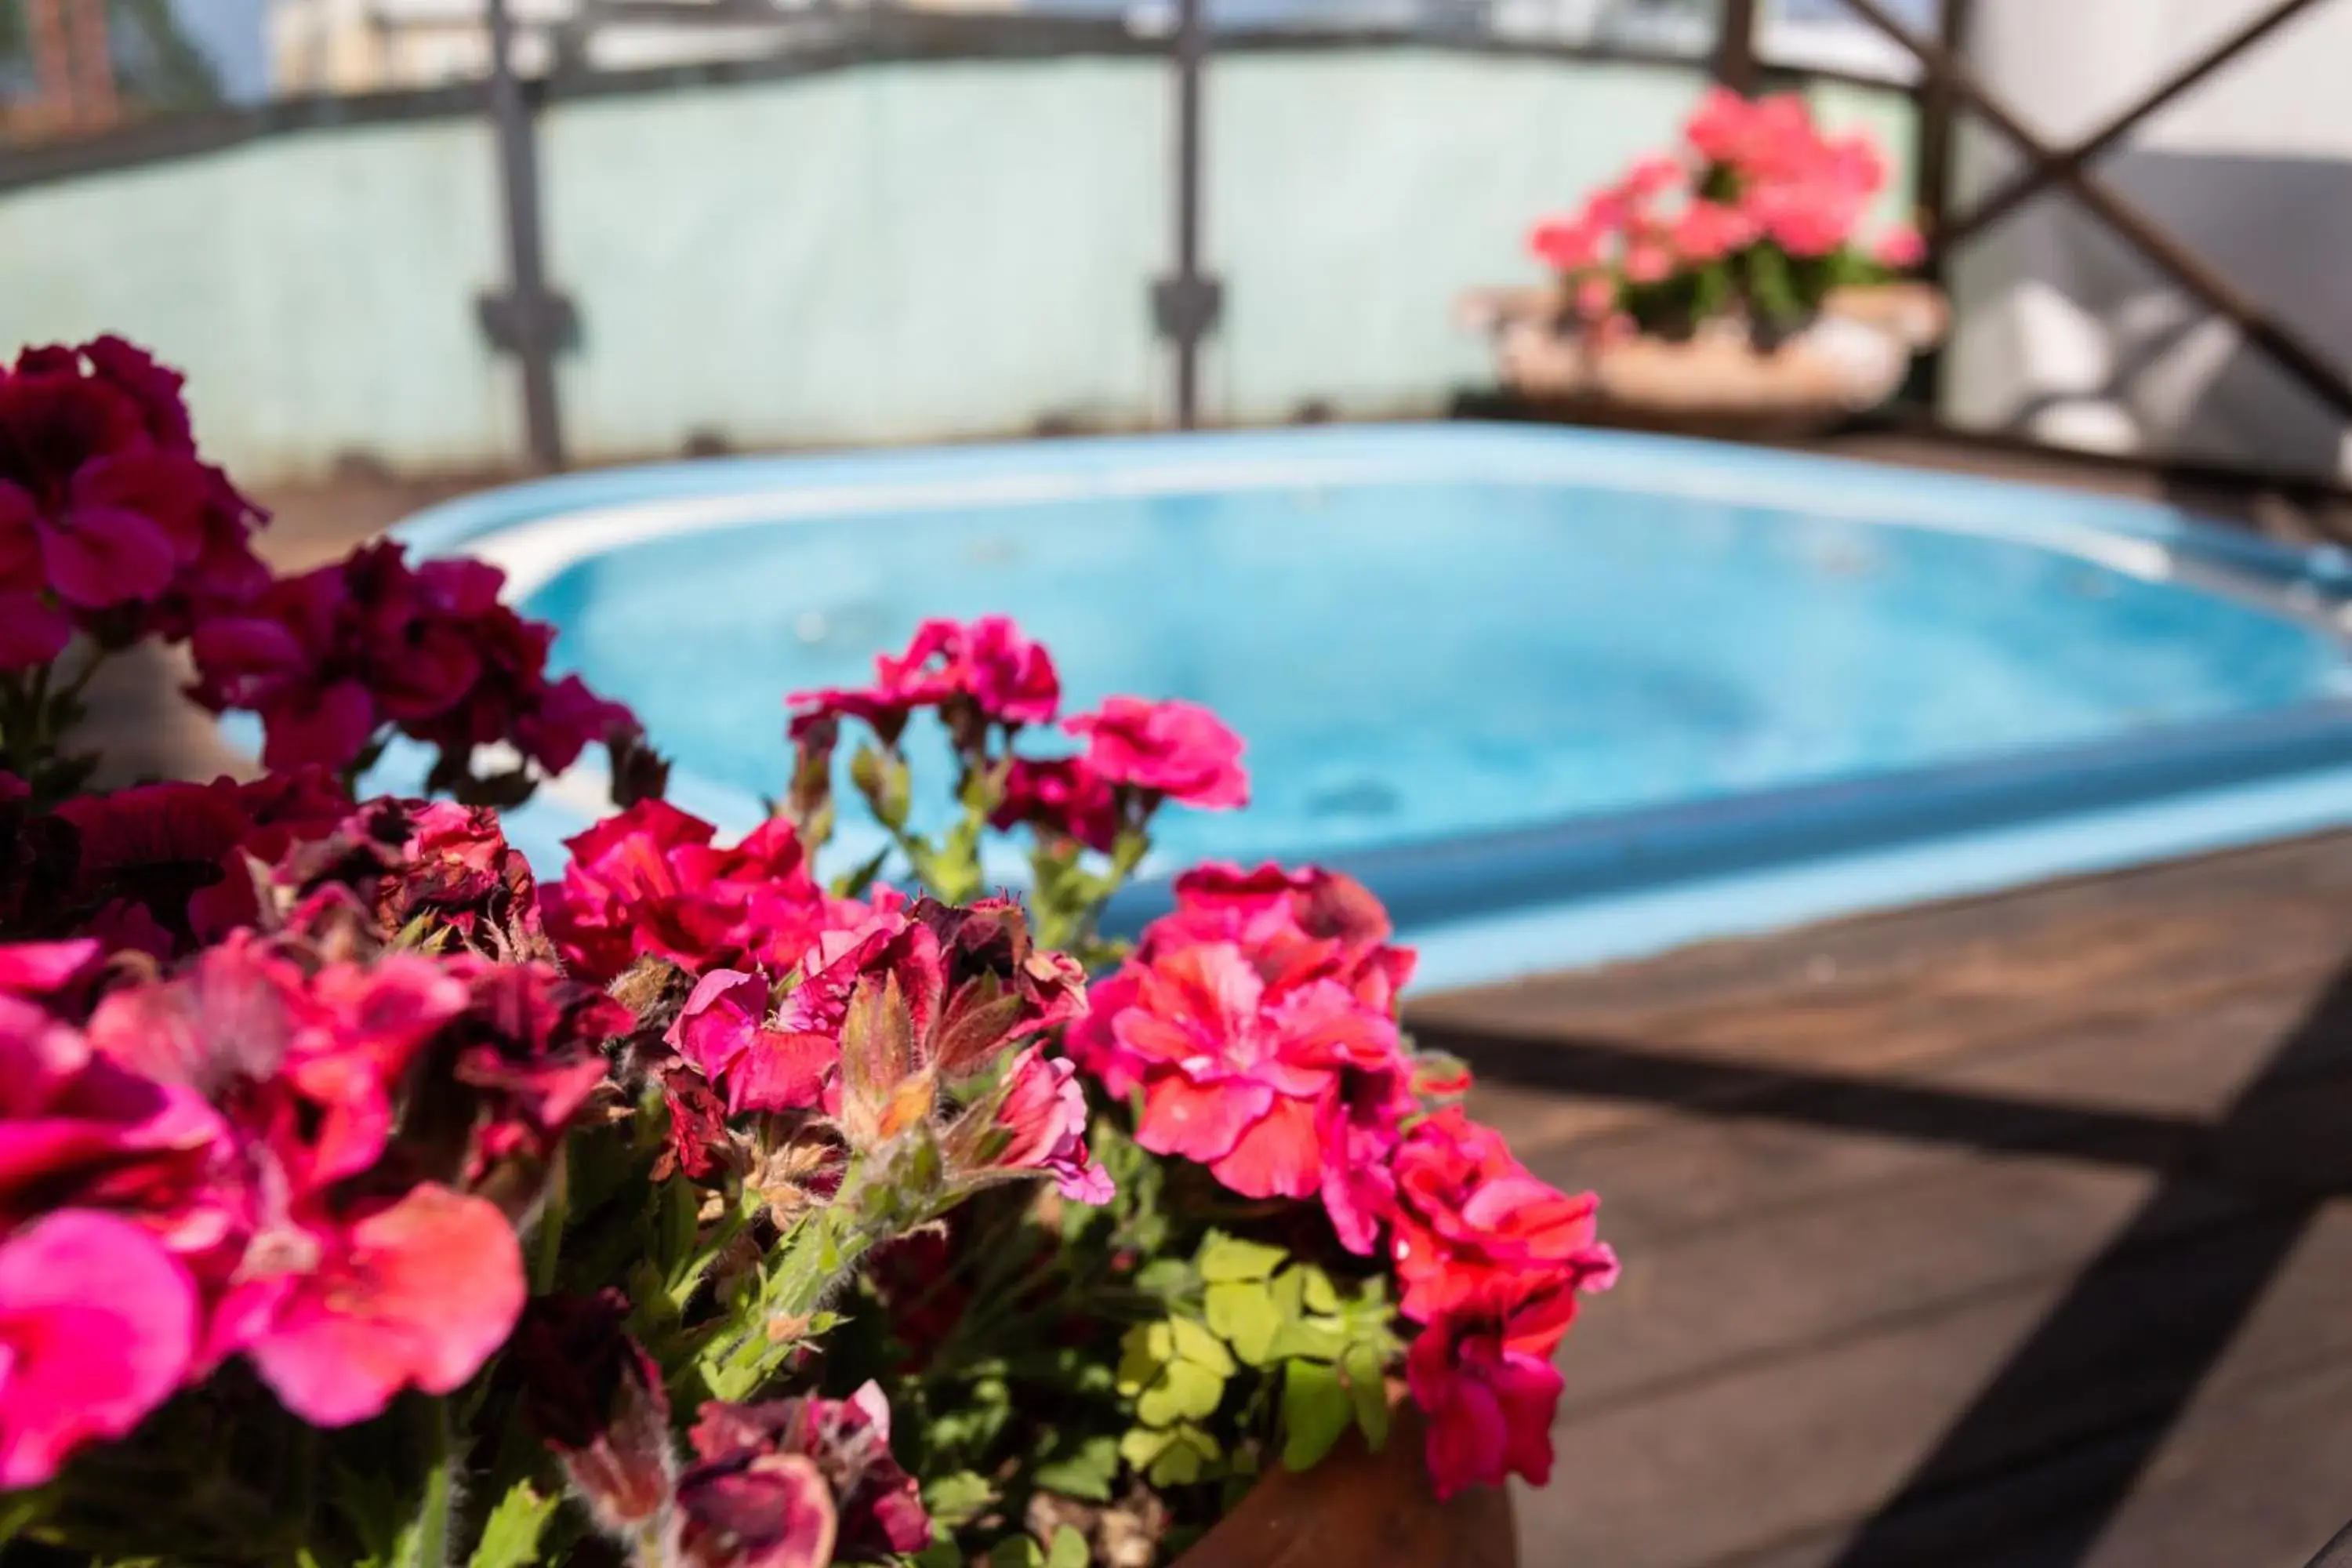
x=1498 y=906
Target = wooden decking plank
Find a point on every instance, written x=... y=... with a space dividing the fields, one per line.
x=1803 y=1443
x=1904 y=944
x=1682 y=1171
x=2258 y=1482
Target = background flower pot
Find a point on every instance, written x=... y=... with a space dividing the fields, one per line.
x=1849 y=359
x=1361 y=1506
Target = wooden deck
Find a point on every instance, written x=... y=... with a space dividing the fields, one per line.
x=2007 y=1232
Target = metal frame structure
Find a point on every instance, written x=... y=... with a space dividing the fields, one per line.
x=532 y=320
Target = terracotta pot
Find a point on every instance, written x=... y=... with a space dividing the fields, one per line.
x=1851 y=359
x=1361 y=1506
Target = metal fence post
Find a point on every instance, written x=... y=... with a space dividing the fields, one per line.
x=530 y=320
x=1185 y=305
x=1735 y=47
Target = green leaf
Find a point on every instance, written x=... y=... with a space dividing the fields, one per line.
x=1143 y=1350
x=1197 y=1345
x=937 y=1554
x=1142 y=1445
x=1016 y=1552
x=1185 y=1458
x=1310 y=1339
x=1245 y=1316
x=1087 y=1471
x=1069 y=1550
x=510 y=1535
x=1316 y=1289
x=1368 y=1386
x=1185 y=1389
x=957 y=1499
x=1226 y=1259
x=1315 y=1409
x=1290 y=1293
x=1162 y=1277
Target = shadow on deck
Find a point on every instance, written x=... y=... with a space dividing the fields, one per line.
x=2009 y=1232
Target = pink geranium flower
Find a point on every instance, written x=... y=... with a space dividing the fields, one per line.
x=1899 y=249
x=1708 y=231
x=416 y=1293
x=1564 y=245
x=98 y=1326
x=1238 y=1077
x=1036 y=1121
x=986 y=666
x=1177 y=749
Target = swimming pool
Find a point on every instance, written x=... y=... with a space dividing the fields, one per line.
x=1556 y=695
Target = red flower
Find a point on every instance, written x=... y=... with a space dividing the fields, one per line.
x=1490 y=1401
x=725 y=1032
x=183 y=853
x=1469 y=1219
x=78 y=1129
x=1060 y=796
x=1177 y=749
x=648 y=881
x=330 y=657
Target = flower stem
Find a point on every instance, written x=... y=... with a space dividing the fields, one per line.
x=429 y=1533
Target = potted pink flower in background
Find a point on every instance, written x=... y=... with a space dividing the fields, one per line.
x=1734 y=278
x=369 y=1200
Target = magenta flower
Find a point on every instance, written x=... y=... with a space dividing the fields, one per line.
x=417 y=1293
x=987 y=661
x=1177 y=749
x=98 y=1324
x=76 y=1128
x=1035 y=1121
x=1489 y=1403
x=879 y=1509
x=1061 y=797
x=725 y=1031
x=103 y=501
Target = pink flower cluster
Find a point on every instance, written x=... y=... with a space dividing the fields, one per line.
x=1749 y=173
x=235 y=1159
x=902 y=1020
x=1258 y=1022
x=331 y=658
x=985 y=674
x=110 y=524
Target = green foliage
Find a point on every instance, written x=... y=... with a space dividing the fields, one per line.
x=510 y=1535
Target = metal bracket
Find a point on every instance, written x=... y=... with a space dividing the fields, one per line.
x=1186 y=309
x=510 y=325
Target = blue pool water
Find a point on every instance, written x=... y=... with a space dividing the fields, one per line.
x=1489 y=669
